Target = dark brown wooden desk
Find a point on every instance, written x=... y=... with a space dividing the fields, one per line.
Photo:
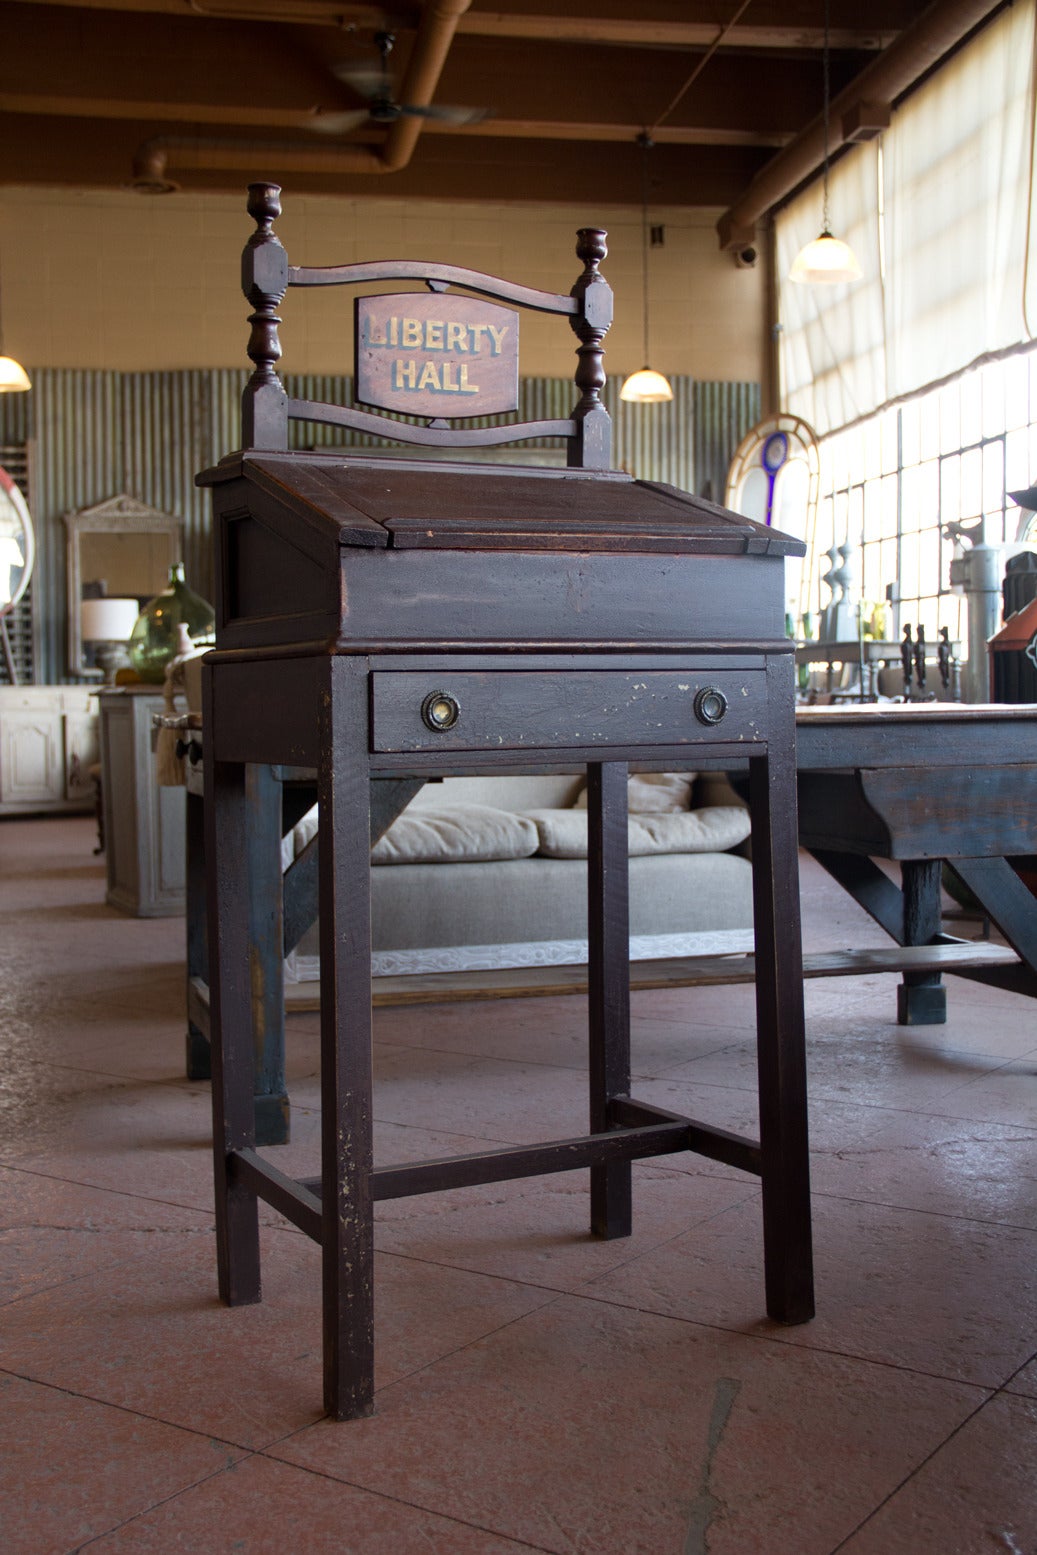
x=924 y=784
x=387 y=621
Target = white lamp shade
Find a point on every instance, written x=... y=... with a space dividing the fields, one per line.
x=108 y=620
x=646 y=388
x=827 y=261
x=13 y=377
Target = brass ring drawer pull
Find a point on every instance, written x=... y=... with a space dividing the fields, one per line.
x=710 y=705
x=440 y=711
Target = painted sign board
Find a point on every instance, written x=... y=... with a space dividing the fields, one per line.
x=437 y=355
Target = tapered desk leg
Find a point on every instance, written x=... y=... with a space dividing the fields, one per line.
x=780 y=1026
x=608 y=983
x=230 y=1032
x=347 y=1234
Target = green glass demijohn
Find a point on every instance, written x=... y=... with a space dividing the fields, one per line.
x=155 y=636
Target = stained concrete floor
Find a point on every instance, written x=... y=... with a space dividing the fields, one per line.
x=537 y=1390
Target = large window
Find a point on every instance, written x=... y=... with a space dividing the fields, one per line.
x=892 y=483
x=921 y=380
x=941 y=214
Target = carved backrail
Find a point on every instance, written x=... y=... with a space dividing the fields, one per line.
x=267 y=409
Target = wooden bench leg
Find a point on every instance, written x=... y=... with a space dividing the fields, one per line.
x=921 y=996
x=608 y=983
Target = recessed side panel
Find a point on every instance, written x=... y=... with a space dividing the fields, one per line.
x=429 y=598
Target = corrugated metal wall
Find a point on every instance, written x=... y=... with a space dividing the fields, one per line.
x=98 y=434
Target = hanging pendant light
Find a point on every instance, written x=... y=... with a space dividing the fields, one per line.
x=13 y=377
x=645 y=387
x=826 y=261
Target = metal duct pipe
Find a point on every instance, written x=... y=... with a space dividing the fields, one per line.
x=935 y=32
x=436 y=29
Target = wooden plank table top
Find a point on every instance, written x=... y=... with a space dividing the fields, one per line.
x=927 y=784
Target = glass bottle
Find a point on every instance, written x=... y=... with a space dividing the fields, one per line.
x=155 y=636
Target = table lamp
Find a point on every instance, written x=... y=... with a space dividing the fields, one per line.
x=107 y=624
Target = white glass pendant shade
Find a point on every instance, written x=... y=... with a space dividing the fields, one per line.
x=827 y=261
x=646 y=388
x=13 y=377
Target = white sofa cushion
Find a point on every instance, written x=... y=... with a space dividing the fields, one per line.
x=507 y=791
x=651 y=792
x=563 y=833
x=476 y=833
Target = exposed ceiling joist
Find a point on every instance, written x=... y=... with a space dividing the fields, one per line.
x=640 y=29
x=230 y=90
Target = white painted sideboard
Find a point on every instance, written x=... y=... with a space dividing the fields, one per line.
x=144 y=825
x=48 y=743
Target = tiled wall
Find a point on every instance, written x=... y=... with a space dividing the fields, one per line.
x=128 y=312
x=121 y=281
x=98 y=434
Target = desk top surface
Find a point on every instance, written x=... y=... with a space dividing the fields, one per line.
x=870 y=714
x=916 y=734
x=365 y=502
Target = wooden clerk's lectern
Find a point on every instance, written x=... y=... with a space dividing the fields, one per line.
x=389 y=620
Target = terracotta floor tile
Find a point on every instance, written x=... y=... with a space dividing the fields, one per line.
x=485 y=1098
x=585 y=1428
x=834 y=1127
x=156 y=1339
x=118 y=1042
x=128 y=1136
x=949 y=1166
x=541 y=1031
x=932 y=1293
x=262 y=1507
x=731 y=1006
x=854 y=1061
x=1025 y=1380
x=978 y=1492
x=59 y=1108
x=72 y=1469
x=1007 y=1094
x=53 y=1231
x=536 y=1230
x=537 y=1388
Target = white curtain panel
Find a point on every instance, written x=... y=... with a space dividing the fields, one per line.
x=832 y=339
x=939 y=213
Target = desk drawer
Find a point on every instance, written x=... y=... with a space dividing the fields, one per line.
x=525 y=710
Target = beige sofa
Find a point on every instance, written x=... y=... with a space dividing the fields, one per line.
x=481 y=873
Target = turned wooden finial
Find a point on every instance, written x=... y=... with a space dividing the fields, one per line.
x=264 y=280
x=592 y=447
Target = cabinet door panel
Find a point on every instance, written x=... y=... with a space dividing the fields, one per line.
x=30 y=758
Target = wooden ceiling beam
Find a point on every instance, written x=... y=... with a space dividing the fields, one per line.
x=642 y=32
x=637 y=28
x=244 y=116
x=663 y=135
x=92 y=154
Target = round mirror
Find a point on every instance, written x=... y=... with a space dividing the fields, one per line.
x=17 y=544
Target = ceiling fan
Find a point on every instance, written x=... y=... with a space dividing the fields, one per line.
x=373 y=83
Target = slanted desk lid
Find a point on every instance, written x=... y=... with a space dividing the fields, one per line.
x=411 y=504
